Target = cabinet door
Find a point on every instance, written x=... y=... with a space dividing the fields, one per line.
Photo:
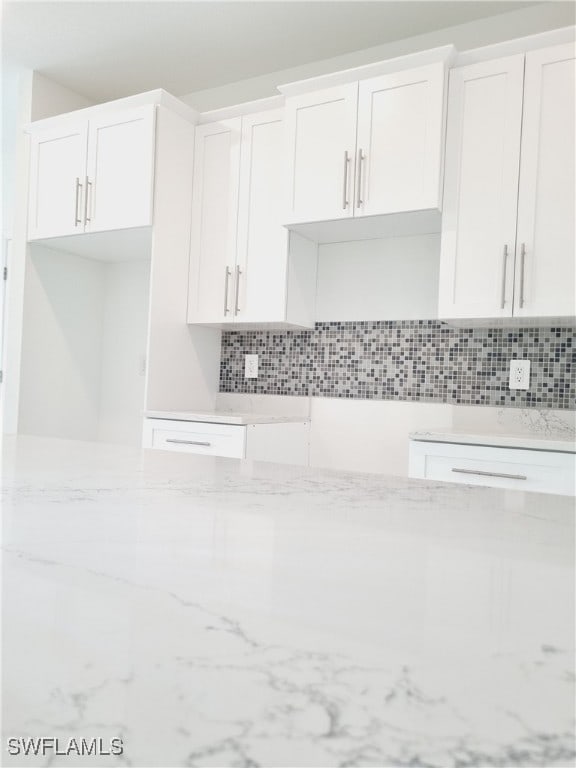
x=120 y=170
x=400 y=141
x=57 y=177
x=214 y=221
x=545 y=274
x=481 y=189
x=261 y=262
x=321 y=131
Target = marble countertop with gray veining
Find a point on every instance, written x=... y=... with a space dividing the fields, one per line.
x=556 y=443
x=223 y=417
x=213 y=612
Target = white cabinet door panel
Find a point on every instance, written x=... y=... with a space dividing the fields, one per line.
x=321 y=127
x=481 y=189
x=214 y=222
x=120 y=170
x=260 y=293
x=546 y=277
x=57 y=176
x=400 y=133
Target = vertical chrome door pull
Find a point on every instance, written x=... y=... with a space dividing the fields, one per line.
x=237 y=290
x=359 y=160
x=226 y=282
x=522 y=265
x=77 y=219
x=345 y=189
x=86 y=202
x=504 y=261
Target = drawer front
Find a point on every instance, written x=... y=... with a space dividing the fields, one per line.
x=522 y=470
x=196 y=437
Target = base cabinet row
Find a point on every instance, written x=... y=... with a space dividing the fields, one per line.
x=514 y=468
x=284 y=443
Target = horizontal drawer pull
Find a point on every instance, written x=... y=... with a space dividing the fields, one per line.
x=489 y=474
x=188 y=442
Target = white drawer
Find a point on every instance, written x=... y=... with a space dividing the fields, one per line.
x=196 y=437
x=515 y=468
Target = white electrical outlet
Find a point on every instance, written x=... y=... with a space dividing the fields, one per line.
x=519 y=374
x=251 y=366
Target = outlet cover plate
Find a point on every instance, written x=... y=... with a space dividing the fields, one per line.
x=251 y=366
x=519 y=374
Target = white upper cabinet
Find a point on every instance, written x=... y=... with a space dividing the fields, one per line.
x=400 y=141
x=57 y=178
x=545 y=252
x=321 y=130
x=508 y=224
x=481 y=189
x=245 y=267
x=120 y=170
x=214 y=221
x=367 y=148
x=262 y=245
x=91 y=174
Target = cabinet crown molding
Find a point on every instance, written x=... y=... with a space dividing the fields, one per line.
x=443 y=55
x=158 y=97
x=515 y=46
x=245 y=108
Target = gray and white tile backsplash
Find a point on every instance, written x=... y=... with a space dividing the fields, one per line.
x=413 y=360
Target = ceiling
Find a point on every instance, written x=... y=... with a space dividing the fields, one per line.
x=106 y=50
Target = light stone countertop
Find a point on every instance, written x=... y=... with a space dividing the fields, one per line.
x=530 y=442
x=223 y=417
x=214 y=612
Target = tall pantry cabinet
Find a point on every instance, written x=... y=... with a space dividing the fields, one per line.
x=507 y=246
x=105 y=299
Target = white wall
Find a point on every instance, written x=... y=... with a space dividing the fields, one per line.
x=369 y=435
x=61 y=346
x=84 y=344
x=50 y=98
x=388 y=279
x=124 y=323
x=30 y=96
x=505 y=26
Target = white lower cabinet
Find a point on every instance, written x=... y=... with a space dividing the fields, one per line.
x=284 y=443
x=514 y=468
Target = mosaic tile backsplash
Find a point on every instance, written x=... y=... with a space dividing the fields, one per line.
x=405 y=360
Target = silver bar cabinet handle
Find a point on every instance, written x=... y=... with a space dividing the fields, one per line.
x=488 y=474
x=187 y=442
x=522 y=265
x=226 y=281
x=504 y=262
x=77 y=219
x=86 y=203
x=237 y=290
x=359 y=178
x=345 y=189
